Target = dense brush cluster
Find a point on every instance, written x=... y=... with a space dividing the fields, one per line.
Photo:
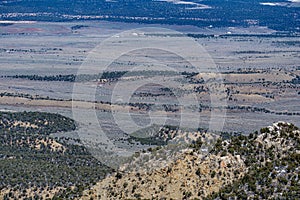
x=34 y=165
x=34 y=123
x=273 y=161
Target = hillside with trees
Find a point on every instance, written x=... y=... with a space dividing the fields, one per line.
x=262 y=165
x=218 y=13
x=35 y=165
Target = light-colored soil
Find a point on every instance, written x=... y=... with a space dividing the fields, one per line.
x=176 y=181
x=15 y=101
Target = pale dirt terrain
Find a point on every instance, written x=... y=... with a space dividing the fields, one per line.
x=56 y=103
x=174 y=181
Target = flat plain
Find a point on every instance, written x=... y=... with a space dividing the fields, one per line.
x=257 y=68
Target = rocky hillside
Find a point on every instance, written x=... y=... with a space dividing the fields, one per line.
x=263 y=165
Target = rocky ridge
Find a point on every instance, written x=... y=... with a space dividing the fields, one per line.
x=262 y=165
